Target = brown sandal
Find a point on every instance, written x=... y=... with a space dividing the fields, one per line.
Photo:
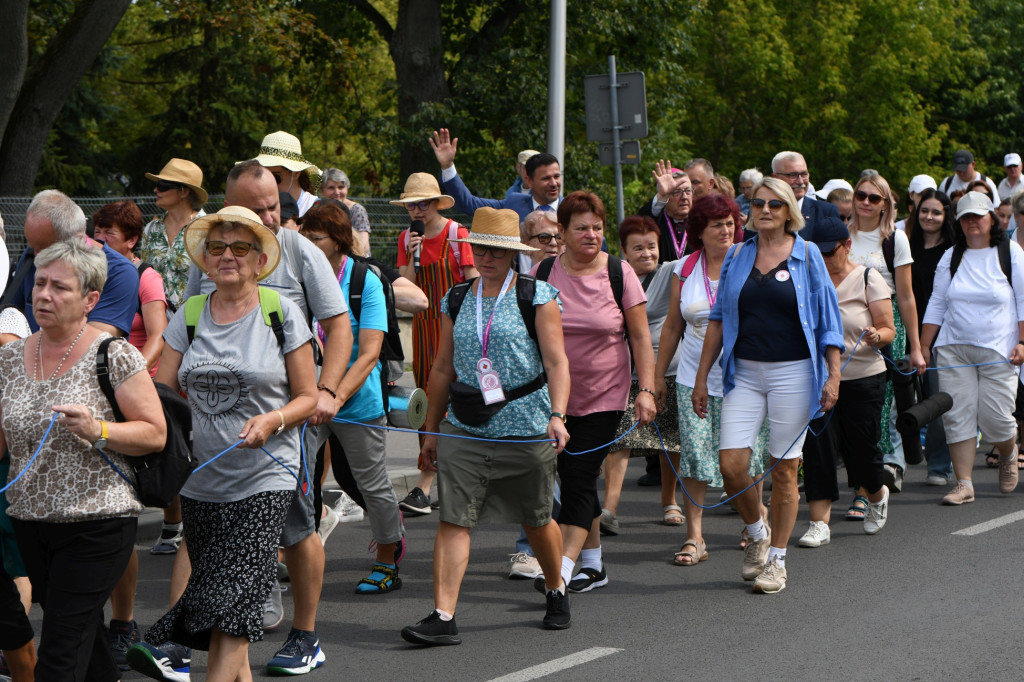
x=685 y=557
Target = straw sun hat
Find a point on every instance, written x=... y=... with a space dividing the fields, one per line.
x=284 y=149
x=197 y=231
x=498 y=228
x=423 y=187
x=184 y=173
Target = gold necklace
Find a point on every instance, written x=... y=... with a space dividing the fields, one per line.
x=39 y=354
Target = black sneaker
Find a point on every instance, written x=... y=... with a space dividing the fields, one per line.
x=540 y=585
x=122 y=636
x=169 y=661
x=557 y=616
x=416 y=503
x=588 y=579
x=432 y=631
x=649 y=480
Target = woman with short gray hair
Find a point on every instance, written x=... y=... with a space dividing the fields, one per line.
x=335 y=186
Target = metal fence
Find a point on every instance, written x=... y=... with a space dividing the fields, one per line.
x=386 y=221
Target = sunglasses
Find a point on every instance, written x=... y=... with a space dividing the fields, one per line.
x=833 y=252
x=846 y=218
x=421 y=205
x=165 y=186
x=873 y=199
x=495 y=252
x=217 y=248
x=772 y=204
x=545 y=238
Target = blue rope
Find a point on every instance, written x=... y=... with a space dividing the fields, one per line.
x=34 y=455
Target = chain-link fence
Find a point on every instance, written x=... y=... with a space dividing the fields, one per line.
x=386 y=221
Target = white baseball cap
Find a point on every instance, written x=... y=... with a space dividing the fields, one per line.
x=834 y=183
x=1011 y=159
x=975 y=203
x=920 y=183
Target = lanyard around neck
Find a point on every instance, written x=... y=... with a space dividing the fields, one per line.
x=485 y=332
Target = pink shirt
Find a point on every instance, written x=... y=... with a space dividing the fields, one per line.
x=594 y=343
x=151 y=288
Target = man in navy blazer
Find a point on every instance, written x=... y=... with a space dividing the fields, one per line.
x=543 y=170
x=791 y=167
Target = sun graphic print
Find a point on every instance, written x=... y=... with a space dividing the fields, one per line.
x=217 y=390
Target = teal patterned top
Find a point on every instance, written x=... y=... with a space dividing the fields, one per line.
x=514 y=356
x=170 y=260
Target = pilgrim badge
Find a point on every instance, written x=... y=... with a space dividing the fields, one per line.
x=490 y=383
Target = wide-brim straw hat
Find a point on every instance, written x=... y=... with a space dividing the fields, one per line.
x=284 y=149
x=423 y=187
x=185 y=173
x=197 y=231
x=498 y=228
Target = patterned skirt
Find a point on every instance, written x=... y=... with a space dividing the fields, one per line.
x=899 y=345
x=233 y=549
x=643 y=440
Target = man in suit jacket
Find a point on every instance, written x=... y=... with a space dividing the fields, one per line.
x=791 y=167
x=543 y=170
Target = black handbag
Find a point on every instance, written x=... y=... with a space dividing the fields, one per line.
x=159 y=476
x=468 y=403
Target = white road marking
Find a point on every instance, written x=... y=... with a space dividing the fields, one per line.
x=991 y=525
x=559 y=664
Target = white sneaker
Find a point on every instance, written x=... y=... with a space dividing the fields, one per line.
x=347 y=509
x=327 y=524
x=273 y=609
x=817 y=535
x=877 y=513
x=522 y=566
x=936 y=480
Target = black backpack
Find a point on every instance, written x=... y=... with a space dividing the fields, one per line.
x=160 y=475
x=1003 y=249
x=614 y=278
x=392 y=357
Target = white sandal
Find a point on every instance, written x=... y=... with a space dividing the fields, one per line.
x=673 y=515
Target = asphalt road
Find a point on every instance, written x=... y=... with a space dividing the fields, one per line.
x=918 y=601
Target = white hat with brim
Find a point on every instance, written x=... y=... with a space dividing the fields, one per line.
x=974 y=203
x=197 y=231
x=835 y=183
x=423 y=187
x=282 y=149
x=920 y=183
x=497 y=228
x=184 y=173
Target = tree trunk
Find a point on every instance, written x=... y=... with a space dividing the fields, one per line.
x=45 y=89
x=417 y=50
x=13 y=54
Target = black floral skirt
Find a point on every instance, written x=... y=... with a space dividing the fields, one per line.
x=233 y=550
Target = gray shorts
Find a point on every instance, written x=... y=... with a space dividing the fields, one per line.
x=301 y=519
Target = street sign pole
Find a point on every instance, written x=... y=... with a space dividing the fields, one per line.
x=613 y=87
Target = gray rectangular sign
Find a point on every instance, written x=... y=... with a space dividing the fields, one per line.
x=630 y=152
x=632 y=101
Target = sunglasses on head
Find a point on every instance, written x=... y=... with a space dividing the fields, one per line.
x=873 y=199
x=773 y=204
x=545 y=238
x=421 y=205
x=165 y=186
x=216 y=248
x=495 y=251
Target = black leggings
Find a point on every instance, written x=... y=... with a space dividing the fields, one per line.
x=15 y=629
x=578 y=473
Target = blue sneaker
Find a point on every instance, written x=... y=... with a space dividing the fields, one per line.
x=169 y=661
x=299 y=655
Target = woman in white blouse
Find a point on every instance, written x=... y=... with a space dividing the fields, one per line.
x=976 y=316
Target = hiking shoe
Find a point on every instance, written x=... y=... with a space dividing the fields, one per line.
x=122 y=636
x=432 y=631
x=609 y=524
x=169 y=661
x=300 y=654
x=875 y=516
x=817 y=535
x=273 y=609
x=169 y=540
x=754 y=556
x=416 y=503
x=960 y=494
x=522 y=566
x=936 y=480
x=1008 y=474
x=893 y=477
x=347 y=509
x=557 y=616
x=328 y=523
x=588 y=579
x=772 y=578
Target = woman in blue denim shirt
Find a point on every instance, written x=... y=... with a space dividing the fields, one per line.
x=776 y=322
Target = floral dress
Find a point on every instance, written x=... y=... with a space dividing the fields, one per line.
x=170 y=260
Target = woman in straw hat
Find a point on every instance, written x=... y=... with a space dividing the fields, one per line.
x=493 y=372
x=243 y=383
x=180 y=195
x=281 y=154
x=442 y=264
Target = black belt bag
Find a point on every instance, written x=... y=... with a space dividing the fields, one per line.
x=468 y=403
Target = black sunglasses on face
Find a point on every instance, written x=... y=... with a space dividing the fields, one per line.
x=165 y=186
x=873 y=199
x=421 y=205
x=773 y=204
x=216 y=248
x=495 y=252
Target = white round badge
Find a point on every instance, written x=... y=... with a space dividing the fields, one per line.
x=782 y=275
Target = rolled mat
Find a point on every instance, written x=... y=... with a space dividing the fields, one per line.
x=408 y=407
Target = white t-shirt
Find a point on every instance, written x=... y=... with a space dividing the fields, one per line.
x=867 y=251
x=956 y=183
x=978 y=307
x=693 y=304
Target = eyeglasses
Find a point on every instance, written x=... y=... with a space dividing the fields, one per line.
x=795 y=175
x=773 y=204
x=495 y=252
x=217 y=248
x=165 y=186
x=421 y=205
x=545 y=238
x=833 y=252
x=682 y=192
x=873 y=199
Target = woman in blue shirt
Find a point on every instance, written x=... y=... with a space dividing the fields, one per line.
x=360 y=397
x=776 y=322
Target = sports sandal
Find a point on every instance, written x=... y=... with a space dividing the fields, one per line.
x=383 y=579
x=857 y=509
x=691 y=557
x=673 y=515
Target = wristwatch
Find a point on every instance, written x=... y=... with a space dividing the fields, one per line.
x=101 y=442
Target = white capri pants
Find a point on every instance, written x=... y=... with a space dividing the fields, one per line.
x=983 y=397
x=778 y=390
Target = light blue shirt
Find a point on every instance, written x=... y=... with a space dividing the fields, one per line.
x=819 y=309
x=368 y=401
